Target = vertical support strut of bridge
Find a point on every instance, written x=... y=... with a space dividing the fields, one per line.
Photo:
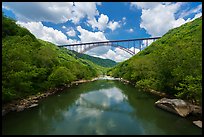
x=147 y=42
x=134 y=47
x=140 y=44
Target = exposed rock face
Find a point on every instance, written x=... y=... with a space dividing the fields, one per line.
x=177 y=106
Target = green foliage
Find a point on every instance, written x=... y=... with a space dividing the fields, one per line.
x=30 y=66
x=191 y=89
x=61 y=76
x=96 y=60
x=10 y=28
x=172 y=64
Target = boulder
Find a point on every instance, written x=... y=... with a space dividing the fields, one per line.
x=196 y=110
x=177 y=106
x=198 y=123
x=33 y=105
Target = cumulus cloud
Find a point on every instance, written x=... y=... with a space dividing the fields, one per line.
x=103 y=23
x=158 y=18
x=88 y=36
x=113 y=25
x=115 y=54
x=83 y=9
x=71 y=32
x=46 y=33
x=57 y=12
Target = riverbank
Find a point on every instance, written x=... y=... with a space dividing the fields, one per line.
x=32 y=101
x=195 y=111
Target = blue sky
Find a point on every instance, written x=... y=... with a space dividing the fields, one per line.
x=66 y=23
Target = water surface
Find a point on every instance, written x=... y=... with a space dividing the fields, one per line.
x=99 y=107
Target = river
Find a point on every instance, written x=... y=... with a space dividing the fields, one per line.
x=98 y=107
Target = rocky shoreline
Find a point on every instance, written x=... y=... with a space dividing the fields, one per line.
x=32 y=101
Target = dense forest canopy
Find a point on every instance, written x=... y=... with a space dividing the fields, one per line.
x=172 y=64
x=96 y=60
x=30 y=65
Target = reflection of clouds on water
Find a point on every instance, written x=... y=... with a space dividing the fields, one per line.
x=104 y=98
x=99 y=112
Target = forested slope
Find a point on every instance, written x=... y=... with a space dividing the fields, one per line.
x=96 y=60
x=30 y=65
x=172 y=64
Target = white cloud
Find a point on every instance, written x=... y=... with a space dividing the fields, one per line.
x=198 y=15
x=101 y=24
x=88 y=36
x=159 y=20
x=195 y=10
x=144 y=5
x=71 y=32
x=57 y=12
x=130 y=30
x=83 y=9
x=46 y=33
x=63 y=27
x=159 y=17
x=181 y=21
x=124 y=20
x=113 y=25
x=117 y=55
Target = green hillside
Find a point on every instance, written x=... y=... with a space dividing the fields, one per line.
x=30 y=65
x=96 y=60
x=172 y=64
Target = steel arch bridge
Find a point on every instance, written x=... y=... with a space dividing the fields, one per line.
x=131 y=46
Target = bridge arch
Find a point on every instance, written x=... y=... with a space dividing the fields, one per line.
x=113 y=45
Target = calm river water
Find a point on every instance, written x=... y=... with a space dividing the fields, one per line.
x=99 y=107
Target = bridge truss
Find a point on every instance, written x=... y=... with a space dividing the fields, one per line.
x=132 y=46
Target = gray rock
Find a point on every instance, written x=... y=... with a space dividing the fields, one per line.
x=4 y=112
x=33 y=105
x=20 y=108
x=198 y=123
x=196 y=110
x=177 y=106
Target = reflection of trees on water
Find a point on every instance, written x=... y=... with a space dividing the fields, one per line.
x=54 y=109
x=151 y=116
